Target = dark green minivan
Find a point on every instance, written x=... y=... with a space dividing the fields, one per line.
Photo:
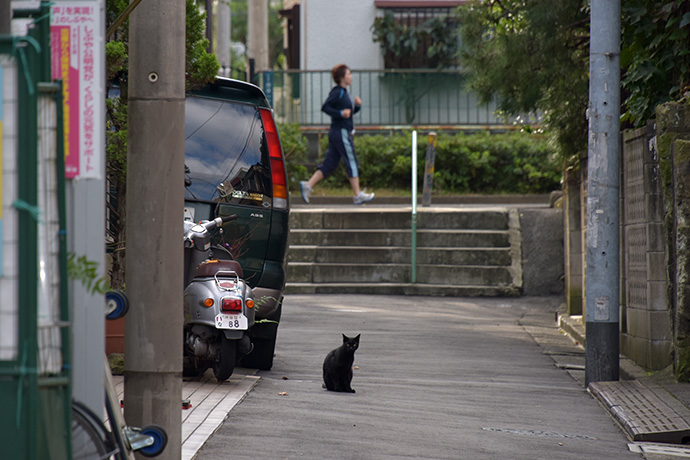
x=234 y=165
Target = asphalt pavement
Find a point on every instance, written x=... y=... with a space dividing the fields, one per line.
x=436 y=378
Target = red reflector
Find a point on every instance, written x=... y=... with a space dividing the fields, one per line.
x=231 y=304
x=275 y=152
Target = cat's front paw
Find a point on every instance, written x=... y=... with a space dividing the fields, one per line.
x=351 y=390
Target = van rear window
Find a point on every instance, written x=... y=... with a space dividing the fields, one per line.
x=226 y=158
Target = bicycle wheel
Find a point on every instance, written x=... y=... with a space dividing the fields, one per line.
x=90 y=439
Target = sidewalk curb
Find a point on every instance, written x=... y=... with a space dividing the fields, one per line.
x=645 y=410
x=574 y=326
x=514 y=199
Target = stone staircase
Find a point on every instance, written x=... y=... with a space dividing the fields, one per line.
x=367 y=250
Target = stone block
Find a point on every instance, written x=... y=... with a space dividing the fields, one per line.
x=637 y=349
x=660 y=355
x=660 y=326
x=673 y=117
x=655 y=207
x=656 y=237
x=651 y=175
x=656 y=266
x=638 y=323
x=542 y=251
x=656 y=296
x=574 y=261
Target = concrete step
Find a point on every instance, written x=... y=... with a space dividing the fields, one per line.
x=400 y=255
x=417 y=289
x=440 y=238
x=460 y=251
x=398 y=273
x=319 y=218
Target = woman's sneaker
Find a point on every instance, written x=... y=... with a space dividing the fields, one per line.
x=363 y=198
x=306 y=190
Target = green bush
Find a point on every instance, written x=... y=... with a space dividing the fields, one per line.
x=514 y=162
x=295 y=150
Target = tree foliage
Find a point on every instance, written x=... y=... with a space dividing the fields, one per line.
x=201 y=67
x=532 y=56
x=655 y=55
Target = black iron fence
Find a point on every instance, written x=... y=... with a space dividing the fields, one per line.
x=389 y=98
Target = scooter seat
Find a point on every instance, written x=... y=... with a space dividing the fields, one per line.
x=211 y=267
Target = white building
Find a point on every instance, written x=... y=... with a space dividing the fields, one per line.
x=322 y=33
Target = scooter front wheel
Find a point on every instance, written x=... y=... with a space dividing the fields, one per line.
x=225 y=361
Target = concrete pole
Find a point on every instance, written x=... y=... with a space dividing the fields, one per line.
x=5 y=17
x=603 y=184
x=209 y=26
x=223 y=40
x=257 y=40
x=155 y=201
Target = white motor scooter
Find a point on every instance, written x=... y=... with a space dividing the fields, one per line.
x=218 y=304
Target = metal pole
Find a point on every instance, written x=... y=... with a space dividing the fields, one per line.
x=603 y=182
x=414 y=207
x=429 y=170
x=155 y=204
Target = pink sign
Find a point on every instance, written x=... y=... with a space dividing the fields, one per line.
x=76 y=36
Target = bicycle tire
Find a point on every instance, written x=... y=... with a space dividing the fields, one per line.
x=90 y=439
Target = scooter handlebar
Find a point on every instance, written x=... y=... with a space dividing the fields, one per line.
x=219 y=221
x=229 y=218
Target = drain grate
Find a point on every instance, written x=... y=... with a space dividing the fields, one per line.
x=641 y=413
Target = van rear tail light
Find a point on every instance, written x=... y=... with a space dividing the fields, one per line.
x=275 y=153
x=231 y=304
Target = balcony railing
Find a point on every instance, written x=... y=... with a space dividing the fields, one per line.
x=389 y=98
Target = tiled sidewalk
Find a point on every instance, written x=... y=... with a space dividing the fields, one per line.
x=210 y=404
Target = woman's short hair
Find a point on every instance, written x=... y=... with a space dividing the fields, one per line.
x=339 y=72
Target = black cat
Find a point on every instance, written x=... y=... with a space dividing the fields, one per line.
x=337 y=367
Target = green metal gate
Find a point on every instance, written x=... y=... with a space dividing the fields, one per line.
x=35 y=385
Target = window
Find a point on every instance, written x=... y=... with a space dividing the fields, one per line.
x=226 y=159
x=417 y=37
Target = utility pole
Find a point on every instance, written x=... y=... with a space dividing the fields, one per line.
x=223 y=41
x=5 y=17
x=155 y=204
x=257 y=39
x=602 y=278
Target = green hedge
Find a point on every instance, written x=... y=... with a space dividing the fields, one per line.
x=515 y=162
x=295 y=150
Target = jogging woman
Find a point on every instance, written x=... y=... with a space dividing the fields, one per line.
x=341 y=107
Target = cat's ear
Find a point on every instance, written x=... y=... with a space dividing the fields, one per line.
x=344 y=338
x=357 y=338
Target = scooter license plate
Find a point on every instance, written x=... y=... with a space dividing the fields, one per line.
x=225 y=321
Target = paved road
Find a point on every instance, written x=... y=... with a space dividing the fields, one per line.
x=437 y=378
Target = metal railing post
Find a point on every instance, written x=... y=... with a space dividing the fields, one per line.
x=429 y=170
x=414 y=208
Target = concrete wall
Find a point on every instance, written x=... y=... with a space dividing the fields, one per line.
x=645 y=320
x=655 y=231
x=673 y=152
x=542 y=251
x=336 y=32
x=573 y=243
